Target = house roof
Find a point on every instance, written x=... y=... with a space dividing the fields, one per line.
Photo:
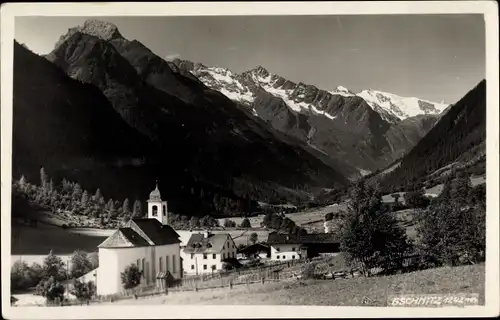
x=123 y=238
x=313 y=238
x=157 y=233
x=140 y=233
x=199 y=244
x=257 y=247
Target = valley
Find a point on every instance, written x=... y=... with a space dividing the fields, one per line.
x=347 y=194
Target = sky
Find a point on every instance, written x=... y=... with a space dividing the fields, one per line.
x=433 y=57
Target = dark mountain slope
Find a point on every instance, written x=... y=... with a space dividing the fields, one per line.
x=459 y=135
x=68 y=127
x=111 y=129
x=215 y=140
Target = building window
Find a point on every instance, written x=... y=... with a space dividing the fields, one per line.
x=277 y=257
x=293 y=248
x=204 y=256
x=164 y=210
x=204 y=267
x=173 y=264
x=167 y=263
x=278 y=249
x=293 y=257
x=214 y=256
x=214 y=267
x=160 y=265
x=142 y=268
x=223 y=256
x=192 y=267
x=139 y=264
x=155 y=211
x=192 y=255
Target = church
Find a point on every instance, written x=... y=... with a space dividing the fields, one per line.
x=150 y=243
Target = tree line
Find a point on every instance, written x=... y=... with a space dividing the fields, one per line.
x=70 y=197
x=48 y=278
x=450 y=228
x=281 y=223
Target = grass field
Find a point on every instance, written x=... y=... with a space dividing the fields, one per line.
x=371 y=291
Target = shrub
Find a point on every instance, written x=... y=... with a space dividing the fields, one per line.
x=80 y=264
x=51 y=289
x=416 y=199
x=83 y=290
x=329 y=216
x=20 y=277
x=254 y=237
x=245 y=223
x=131 y=277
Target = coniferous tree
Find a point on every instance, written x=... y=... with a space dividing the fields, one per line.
x=77 y=192
x=23 y=183
x=97 y=195
x=111 y=208
x=126 y=207
x=43 y=178
x=370 y=236
x=85 y=198
x=137 y=210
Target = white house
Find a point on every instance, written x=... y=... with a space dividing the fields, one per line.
x=149 y=243
x=205 y=252
x=287 y=247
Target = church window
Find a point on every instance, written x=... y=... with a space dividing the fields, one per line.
x=173 y=263
x=142 y=267
x=155 y=211
x=166 y=263
x=164 y=210
x=139 y=264
x=223 y=256
x=160 y=265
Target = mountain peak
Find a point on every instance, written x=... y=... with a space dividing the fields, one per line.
x=101 y=29
x=261 y=70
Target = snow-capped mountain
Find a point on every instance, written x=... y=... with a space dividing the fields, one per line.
x=401 y=107
x=243 y=87
x=368 y=133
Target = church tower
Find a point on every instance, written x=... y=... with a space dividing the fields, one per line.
x=157 y=209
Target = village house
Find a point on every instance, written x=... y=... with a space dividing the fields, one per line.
x=287 y=247
x=150 y=243
x=256 y=250
x=205 y=252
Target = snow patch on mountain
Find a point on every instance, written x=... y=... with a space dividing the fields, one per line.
x=342 y=91
x=401 y=107
x=243 y=87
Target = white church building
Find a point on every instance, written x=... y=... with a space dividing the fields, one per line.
x=150 y=243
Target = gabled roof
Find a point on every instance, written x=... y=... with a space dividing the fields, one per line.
x=257 y=247
x=213 y=244
x=313 y=238
x=152 y=230
x=124 y=238
x=140 y=233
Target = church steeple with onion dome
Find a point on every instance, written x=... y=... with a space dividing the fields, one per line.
x=157 y=209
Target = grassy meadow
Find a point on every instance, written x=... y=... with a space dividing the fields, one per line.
x=372 y=291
